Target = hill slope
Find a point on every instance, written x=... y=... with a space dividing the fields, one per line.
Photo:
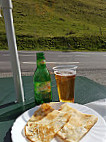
x=51 y=23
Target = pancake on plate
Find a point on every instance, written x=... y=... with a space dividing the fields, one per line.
x=78 y=125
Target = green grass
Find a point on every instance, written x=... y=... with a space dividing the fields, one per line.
x=58 y=25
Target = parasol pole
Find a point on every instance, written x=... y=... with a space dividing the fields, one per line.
x=8 y=18
x=0 y=9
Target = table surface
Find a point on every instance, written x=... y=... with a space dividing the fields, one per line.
x=86 y=91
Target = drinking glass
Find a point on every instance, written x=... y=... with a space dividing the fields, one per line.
x=65 y=80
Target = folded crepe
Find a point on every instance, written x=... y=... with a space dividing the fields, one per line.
x=45 y=129
x=43 y=110
x=78 y=125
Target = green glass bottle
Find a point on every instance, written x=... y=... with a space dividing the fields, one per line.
x=42 y=81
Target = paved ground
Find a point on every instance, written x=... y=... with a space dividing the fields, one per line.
x=90 y=64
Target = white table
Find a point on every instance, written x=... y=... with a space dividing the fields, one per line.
x=99 y=106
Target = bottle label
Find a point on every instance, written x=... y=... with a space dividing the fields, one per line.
x=42 y=62
x=42 y=87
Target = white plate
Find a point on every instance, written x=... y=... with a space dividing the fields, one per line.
x=96 y=134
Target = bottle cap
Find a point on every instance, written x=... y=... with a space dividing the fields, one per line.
x=40 y=54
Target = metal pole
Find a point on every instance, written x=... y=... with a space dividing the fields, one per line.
x=0 y=8
x=7 y=12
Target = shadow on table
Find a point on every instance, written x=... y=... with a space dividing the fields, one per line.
x=16 y=110
x=7 y=138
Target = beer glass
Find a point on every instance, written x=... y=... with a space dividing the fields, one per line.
x=65 y=80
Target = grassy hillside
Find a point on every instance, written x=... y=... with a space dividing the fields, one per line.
x=58 y=25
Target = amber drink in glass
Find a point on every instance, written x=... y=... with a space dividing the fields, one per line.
x=65 y=80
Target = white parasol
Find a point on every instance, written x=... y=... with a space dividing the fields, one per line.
x=6 y=5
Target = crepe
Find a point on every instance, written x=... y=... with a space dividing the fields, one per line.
x=78 y=125
x=45 y=129
x=41 y=112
